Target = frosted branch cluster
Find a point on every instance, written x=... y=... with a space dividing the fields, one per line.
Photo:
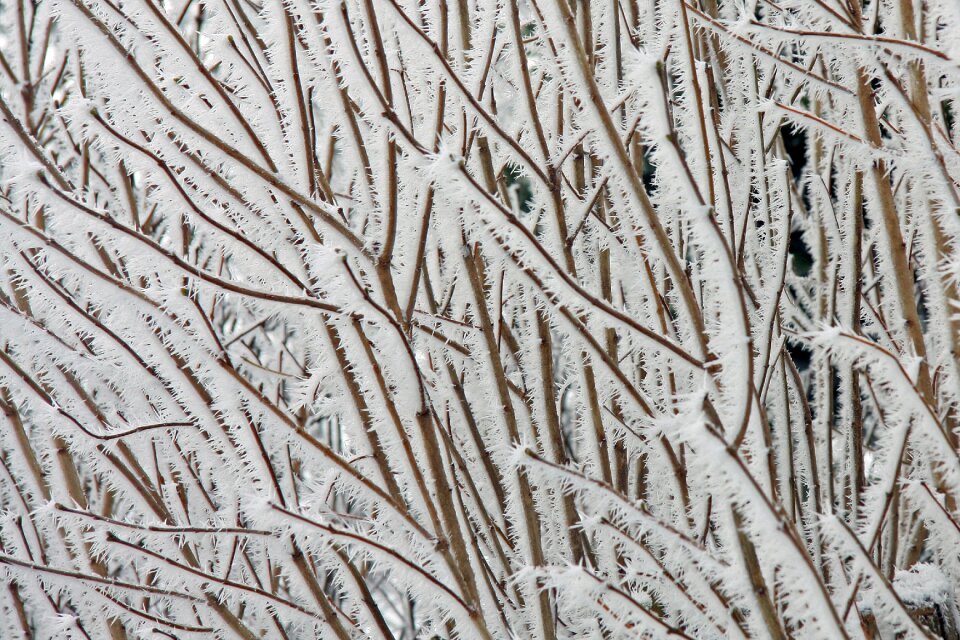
x=479 y=319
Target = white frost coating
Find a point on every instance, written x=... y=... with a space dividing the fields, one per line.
x=480 y=319
x=924 y=585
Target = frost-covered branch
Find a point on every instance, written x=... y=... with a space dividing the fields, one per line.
x=479 y=319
